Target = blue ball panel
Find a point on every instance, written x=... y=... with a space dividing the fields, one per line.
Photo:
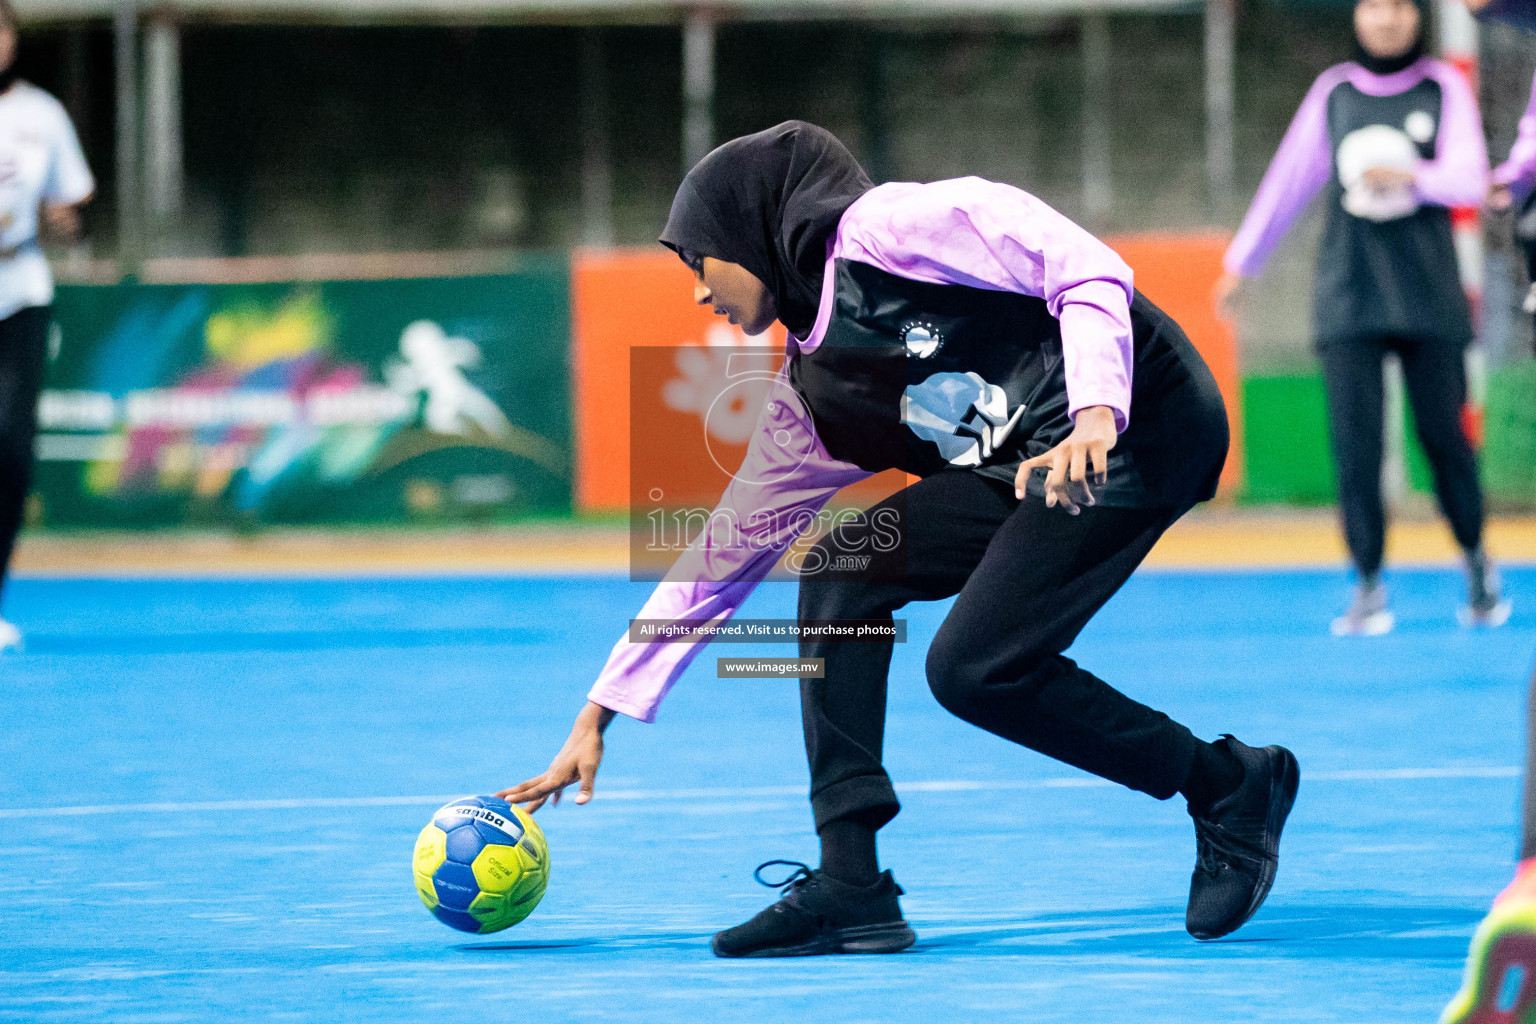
x=456 y=886
x=465 y=844
x=457 y=919
x=447 y=821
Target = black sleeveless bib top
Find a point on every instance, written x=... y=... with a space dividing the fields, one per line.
x=1394 y=278
x=927 y=377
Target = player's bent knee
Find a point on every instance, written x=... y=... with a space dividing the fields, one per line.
x=957 y=684
x=968 y=685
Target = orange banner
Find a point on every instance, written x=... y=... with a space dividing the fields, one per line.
x=1179 y=273
x=642 y=299
x=627 y=299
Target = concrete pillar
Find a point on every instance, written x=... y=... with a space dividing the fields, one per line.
x=77 y=82
x=1098 y=187
x=125 y=33
x=1220 y=102
x=596 y=159
x=698 y=86
x=875 y=107
x=162 y=122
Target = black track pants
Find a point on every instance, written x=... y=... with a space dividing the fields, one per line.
x=1435 y=377
x=23 y=347
x=1028 y=579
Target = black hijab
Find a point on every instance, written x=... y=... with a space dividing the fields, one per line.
x=770 y=202
x=1391 y=65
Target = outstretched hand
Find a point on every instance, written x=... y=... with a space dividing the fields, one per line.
x=1066 y=482
x=576 y=762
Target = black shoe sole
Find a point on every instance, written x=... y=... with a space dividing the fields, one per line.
x=1284 y=781
x=891 y=937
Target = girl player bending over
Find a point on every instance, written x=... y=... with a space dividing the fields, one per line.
x=964 y=332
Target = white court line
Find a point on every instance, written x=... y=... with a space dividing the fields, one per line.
x=719 y=793
x=1386 y=774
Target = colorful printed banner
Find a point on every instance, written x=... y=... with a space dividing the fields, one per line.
x=428 y=399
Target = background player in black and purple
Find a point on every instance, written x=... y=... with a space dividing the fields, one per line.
x=1394 y=140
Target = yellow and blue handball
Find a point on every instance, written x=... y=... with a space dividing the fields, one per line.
x=481 y=864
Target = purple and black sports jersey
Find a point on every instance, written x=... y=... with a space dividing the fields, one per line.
x=961 y=324
x=1386 y=263
x=926 y=377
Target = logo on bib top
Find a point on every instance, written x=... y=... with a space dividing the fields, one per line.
x=965 y=417
x=921 y=339
x=1419 y=126
x=1377 y=146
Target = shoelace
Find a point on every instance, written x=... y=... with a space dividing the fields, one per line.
x=1216 y=848
x=801 y=873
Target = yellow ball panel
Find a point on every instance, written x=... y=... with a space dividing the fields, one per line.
x=497 y=868
x=532 y=835
x=431 y=850
x=493 y=912
x=425 y=890
x=529 y=890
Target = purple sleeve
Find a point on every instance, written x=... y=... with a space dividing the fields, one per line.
x=1458 y=175
x=772 y=500
x=987 y=235
x=1299 y=170
x=1519 y=171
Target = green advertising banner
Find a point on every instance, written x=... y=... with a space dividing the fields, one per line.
x=1285 y=423
x=427 y=399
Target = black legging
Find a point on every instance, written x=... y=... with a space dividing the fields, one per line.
x=1028 y=579
x=23 y=349
x=1435 y=376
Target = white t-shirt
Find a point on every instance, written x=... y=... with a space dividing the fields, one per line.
x=40 y=162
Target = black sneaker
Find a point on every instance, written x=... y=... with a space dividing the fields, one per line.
x=819 y=914
x=1237 y=842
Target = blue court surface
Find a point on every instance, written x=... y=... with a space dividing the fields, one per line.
x=212 y=788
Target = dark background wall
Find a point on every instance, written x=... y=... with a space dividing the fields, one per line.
x=392 y=138
x=380 y=139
